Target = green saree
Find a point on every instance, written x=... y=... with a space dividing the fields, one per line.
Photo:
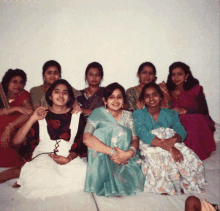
x=104 y=177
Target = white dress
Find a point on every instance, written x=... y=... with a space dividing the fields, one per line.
x=43 y=177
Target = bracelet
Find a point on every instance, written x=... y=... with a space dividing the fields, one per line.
x=133 y=150
x=70 y=158
x=5 y=111
x=112 y=152
x=10 y=125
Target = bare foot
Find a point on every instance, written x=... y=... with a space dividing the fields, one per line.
x=11 y=173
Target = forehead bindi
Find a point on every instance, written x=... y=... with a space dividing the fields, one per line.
x=93 y=71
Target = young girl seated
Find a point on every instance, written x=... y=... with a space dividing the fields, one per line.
x=189 y=101
x=56 y=167
x=168 y=165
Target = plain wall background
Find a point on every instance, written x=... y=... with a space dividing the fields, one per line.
x=118 y=34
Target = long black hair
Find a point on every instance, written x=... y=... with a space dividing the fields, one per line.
x=191 y=81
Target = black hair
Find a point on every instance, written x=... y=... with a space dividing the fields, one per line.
x=94 y=65
x=111 y=88
x=191 y=81
x=141 y=67
x=11 y=74
x=52 y=87
x=50 y=64
x=154 y=85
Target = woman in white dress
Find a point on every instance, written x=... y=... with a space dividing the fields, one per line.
x=56 y=167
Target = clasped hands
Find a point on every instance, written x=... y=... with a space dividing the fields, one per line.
x=121 y=156
x=168 y=145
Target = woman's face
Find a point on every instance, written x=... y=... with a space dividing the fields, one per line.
x=93 y=77
x=60 y=95
x=51 y=75
x=151 y=97
x=178 y=76
x=115 y=101
x=16 y=85
x=147 y=75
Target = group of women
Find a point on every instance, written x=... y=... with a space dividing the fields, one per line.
x=157 y=148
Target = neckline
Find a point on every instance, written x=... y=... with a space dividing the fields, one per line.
x=70 y=109
x=152 y=119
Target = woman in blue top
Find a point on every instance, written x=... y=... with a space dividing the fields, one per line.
x=168 y=165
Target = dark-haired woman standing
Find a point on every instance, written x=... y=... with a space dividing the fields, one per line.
x=189 y=101
x=15 y=109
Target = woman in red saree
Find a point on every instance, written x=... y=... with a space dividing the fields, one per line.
x=189 y=101
x=15 y=109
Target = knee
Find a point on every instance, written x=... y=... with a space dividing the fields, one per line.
x=192 y=204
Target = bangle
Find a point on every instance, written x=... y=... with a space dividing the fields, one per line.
x=70 y=158
x=5 y=111
x=10 y=125
x=112 y=152
x=133 y=150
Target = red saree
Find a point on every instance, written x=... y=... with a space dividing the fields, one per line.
x=197 y=122
x=9 y=156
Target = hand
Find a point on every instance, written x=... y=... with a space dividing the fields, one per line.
x=5 y=138
x=139 y=104
x=177 y=156
x=180 y=110
x=170 y=142
x=39 y=113
x=24 y=110
x=76 y=108
x=121 y=156
x=60 y=159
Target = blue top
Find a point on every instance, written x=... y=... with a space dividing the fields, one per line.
x=144 y=123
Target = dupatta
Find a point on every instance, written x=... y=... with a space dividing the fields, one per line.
x=3 y=98
x=104 y=177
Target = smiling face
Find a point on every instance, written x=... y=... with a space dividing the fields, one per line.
x=178 y=76
x=152 y=97
x=60 y=95
x=93 y=77
x=16 y=85
x=51 y=74
x=115 y=101
x=146 y=76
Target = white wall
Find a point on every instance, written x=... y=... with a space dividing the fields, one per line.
x=118 y=34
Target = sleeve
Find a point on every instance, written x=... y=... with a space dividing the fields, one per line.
x=32 y=140
x=90 y=127
x=130 y=99
x=202 y=104
x=143 y=131
x=177 y=126
x=78 y=146
x=130 y=123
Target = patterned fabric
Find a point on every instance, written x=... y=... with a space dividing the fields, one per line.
x=104 y=177
x=58 y=127
x=199 y=127
x=11 y=156
x=95 y=101
x=164 y=175
x=43 y=177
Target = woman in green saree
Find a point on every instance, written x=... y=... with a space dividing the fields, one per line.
x=113 y=167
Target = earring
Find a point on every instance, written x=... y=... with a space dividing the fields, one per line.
x=186 y=80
